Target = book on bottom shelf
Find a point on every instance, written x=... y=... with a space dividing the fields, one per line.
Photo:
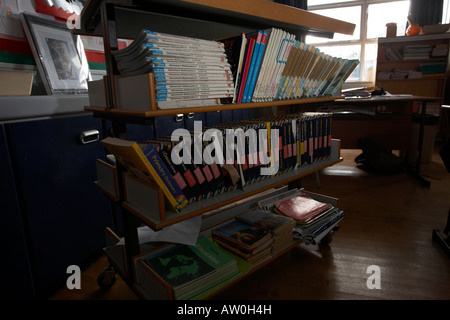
x=184 y=272
x=303 y=208
x=315 y=215
x=241 y=235
x=274 y=223
x=245 y=241
x=281 y=227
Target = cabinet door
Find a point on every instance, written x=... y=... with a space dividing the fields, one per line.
x=248 y=114
x=237 y=115
x=212 y=118
x=15 y=266
x=226 y=116
x=137 y=132
x=165 y=125
x=64 y=214
x=190 y=118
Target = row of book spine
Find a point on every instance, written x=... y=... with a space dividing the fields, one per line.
x=185 y=68
x=259 y=66
x=303 y=139
x=272 y=64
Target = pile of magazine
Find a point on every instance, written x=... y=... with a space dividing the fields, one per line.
x=186 y=69
x=313 y=218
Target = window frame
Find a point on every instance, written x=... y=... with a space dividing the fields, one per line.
x=362 y=41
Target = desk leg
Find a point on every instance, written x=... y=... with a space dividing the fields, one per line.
x=416 y=170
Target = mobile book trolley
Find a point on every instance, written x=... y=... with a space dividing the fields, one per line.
x=124 y=18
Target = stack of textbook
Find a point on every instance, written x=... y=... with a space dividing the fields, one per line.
x=184 y=272
x=273 y=65
x=279 y=226
x=246 y=241
x=313 y=217
x=259 y=66
x=188 y=71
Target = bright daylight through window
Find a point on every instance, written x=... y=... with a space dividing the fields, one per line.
x=370 y=18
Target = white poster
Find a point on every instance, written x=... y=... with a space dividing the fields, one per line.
x=10 y=24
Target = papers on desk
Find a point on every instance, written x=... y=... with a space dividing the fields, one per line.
x=356 y=92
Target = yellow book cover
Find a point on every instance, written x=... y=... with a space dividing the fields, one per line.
x=146 y=162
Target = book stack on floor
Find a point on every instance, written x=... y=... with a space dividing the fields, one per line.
x=184 y=272
x=312 y=217
x=188 y=71
x=256 y=235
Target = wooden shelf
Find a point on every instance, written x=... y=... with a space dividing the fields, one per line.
x=246 y=13
x=228 y=284
x=111 y=113
x=209 y=19
x=145 y=208
x=430 y=60
x=435 y=85
x=408 y=80
x=144 y=289
x=425 y=37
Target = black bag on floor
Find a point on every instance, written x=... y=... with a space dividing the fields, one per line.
x=378 y=159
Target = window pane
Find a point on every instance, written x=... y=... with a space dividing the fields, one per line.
x=381 y=13
x=446 y=12
x=370 y=60
x=318 y=2
x=346 y=52
x=348 y=14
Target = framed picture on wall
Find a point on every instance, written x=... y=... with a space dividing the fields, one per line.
x=59 y=55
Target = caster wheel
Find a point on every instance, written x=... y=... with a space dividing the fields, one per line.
x=107 y=278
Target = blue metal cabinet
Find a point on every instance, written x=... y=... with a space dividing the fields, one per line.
x=248 y=114
x=226 y=116
x=212 y=118
x=190 y=118
x=15 y=266
x=165 y=125
x=237 y=115
x=136 y=132
x=64 y=215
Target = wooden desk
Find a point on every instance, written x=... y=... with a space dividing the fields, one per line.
x=387 y=120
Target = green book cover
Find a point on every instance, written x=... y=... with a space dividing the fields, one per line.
x=181 y=264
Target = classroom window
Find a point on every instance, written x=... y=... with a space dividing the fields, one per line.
x=370 y=18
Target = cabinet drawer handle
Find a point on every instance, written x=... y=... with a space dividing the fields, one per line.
x=190 y=115
x=89 y=136
x=178 y=117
